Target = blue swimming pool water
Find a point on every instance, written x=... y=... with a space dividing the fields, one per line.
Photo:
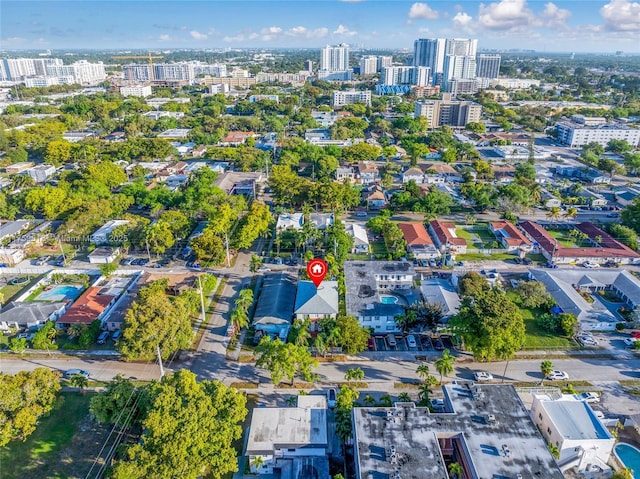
x=69 y=292
x=630 y=457
x=387 y=299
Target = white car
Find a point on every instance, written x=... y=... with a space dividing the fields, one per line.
x=411 y=341
x=587 y=340
x=589 y=397
x=482 y=376
x=631 y=341
x=590 y=264
x=263 y=269
x=557 y=376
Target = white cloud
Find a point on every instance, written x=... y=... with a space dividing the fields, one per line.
x=462 y=20
x=506 y=15
x=554 y=16
x=304 y=32
x=621 y=15
x=423 y=11
x=197 y=35
x=344 y=31
x=234 y=39
x=165 y=37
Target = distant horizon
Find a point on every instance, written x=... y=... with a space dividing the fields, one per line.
x=584 y=26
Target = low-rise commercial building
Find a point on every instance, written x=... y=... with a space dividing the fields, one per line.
x=141 y=91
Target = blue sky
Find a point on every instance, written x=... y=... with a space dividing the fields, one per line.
x=585 y=25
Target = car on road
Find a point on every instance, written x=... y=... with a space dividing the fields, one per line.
x=69 y=373
x=331 y=398
x=517 y=260
x=631 y=342
x=557 y=376
x=361 y=214
x=590 y=264
x=589 y=397
x=613 y=215
x=263 y=269
x=411 y=341
x=482 y=376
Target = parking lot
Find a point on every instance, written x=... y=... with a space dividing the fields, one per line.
x=424 y=342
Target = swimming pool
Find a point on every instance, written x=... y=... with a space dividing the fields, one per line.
x=60 y=293
x=388 y=299
x=629 y=456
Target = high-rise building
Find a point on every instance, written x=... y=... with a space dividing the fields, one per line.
x=341 y=97
x=488 y=66
x=448 y=112
x=51 y=71
x=403 y=75
x=429 y=52
x=368 y=65
x=335 y=58
x=461 y=47
x=308 y=66
x=384 y=61
x=458 y=66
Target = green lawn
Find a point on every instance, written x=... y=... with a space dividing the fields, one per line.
x=40 y=450
x=379 y=249
x=563 y=238
x=484 y=257
x=484 y=234
x=463 y=233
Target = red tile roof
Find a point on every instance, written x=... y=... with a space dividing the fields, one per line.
x=87 y=307
x=415 y=234
x=442 y=231
x=511 y=234
x=237 y=136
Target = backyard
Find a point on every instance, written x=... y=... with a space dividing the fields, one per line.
x=563 y=238
x=63 y=445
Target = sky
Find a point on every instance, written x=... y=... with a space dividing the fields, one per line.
x=545 y=26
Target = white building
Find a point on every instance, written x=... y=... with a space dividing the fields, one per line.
x=360 y=238
x=142 y=91
x=406 y=75
x=515 y=83
x=40 y=173
x=571 y=425
x=457 y=67
x=488 y=65
x=290 y=221
x=334 y=63
x=575 y=134
x=448 y=112
x=368 y=65
x=349 y=97
x=51 y=71
x=103 y=234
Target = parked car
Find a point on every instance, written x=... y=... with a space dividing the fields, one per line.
x=116 y=335
x=41 y=260
x=482 y=376
x=586 y=339
x=411 y=341
x=361 y=214
x=103 y=337
x=635 y=334
x=517 y=260
x=557 y=376
x=437 y=344
x=631 y=342
x=27 y=336
x=72 y=372
x=391 y=340
x=263 y=269
x=590 y=264
x=527 y=261
x=589 y=397
x=371 y=344
x=331 y=398
x=127 y=261
x=432 y=263
x=552 y=265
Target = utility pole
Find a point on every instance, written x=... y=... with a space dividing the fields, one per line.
x=201 y=296
x=160 y=361
x=226 y=241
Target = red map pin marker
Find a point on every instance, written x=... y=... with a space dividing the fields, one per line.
x=317 y=269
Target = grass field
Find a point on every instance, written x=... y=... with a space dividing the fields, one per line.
x=47 y=453
x=484 y=257
x=562 y=237
x=463 y=233
x=379 y=249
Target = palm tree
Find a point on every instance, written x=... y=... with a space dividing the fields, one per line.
x=444 y=365
x=244 y=299
x=404 y=397
x=455 y=470
x=385 y=401
x=354 y=374
x=545 y=368
x=320 y=345
x=292 y=401
x=423 y=371
x=239 y=319
x=424 y=392
x=554 y=213
x=301 y=332
x=256 y=462
x=571 y=213
x=369 y=400
x=79 y=381
x=334 y=337
x=536 y=192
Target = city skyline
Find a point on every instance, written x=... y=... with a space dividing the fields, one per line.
x=584 y=26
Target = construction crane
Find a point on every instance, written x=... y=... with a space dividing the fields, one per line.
x=137 y=57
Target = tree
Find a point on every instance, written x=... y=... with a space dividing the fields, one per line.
x=45 y=337
x=403 y=397
x=354 y=374
x=284 y=360
x=256 y=463
x=79 y=381
x=624 y=473
x=107 y=269
x=631 y=215
x=353 y=336
x=553 y=449
x=26 y=397
x=424 y=392
x=624 y=235
x=444 y=364
x=491 y=325
x=116 y=403
x=554 y=213
x=567 y=323
x=455 y=470
x=435 y=203
x=188 y=427
x=533 y=294
x=473 y=283
x=155 y=320
x=369 y=400
x=423 y=371
x=619 y=147
x=545 y=368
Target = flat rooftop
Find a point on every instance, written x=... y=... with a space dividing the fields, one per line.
x=485 y=427
x=575 y=419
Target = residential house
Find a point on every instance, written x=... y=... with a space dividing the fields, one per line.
x=316 y=303
x=419 y=243
x=40 y=173
x=321 y=220
x=288 y=221
x=290 y=441
x=377 y=291
x=440 y=291
x=177 y=133
x=239 y=182
x=445 y=239
x=438 y=173
x=36 y=235
x=592 y=198
x=509 y=236
x=368 y=172
x=18 y=168
x=199 y=151
x=274 y=308
x=413 y=174
x=548 y=200
x=103 y=234
x=91 y=305
x=11 y=256
x=30 y=314
x=626 y=196
x=584 y=173
x=375 y=197
x=11 y=229
x=104 y=255
x=236 y=138
x=570 y=424
x=360 y=238
x=345 y=173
